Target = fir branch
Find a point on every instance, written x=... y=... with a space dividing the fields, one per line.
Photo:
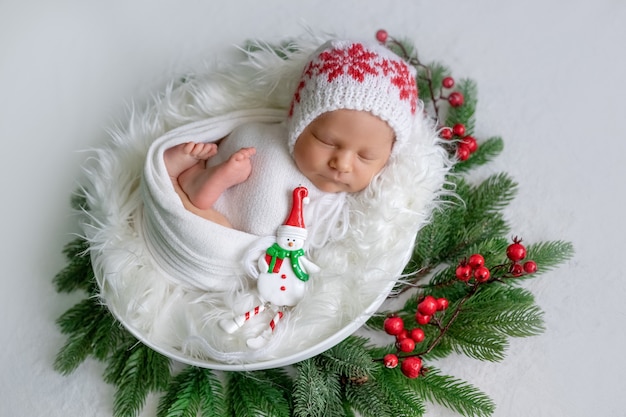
x=464 y=114
x=429 y=82
x=349 y=358
x=490 y=196
x=136 y=370
x=368 y=400
x=520 y=321
x=435 y=238
x=486 y=152
x=452 y=393
x=78 y=274
x=477 y=344
x=548 y=255
x=497 y=298
x=506 y=310
x=250 y=394
x=317 y=392
x=482 y=236
x=92 y=330
x=405 y=400
x=459 y=226
x=194 y=391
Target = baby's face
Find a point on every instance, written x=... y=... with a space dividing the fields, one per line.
x=342 y=150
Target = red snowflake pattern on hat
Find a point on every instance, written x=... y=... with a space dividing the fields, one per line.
x=401 y=78
x=357 y=62
x=354 y=61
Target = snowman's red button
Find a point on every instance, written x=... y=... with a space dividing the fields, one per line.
x=283 y=288
x=283 y=276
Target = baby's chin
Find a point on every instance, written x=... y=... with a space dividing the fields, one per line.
x=330 y=186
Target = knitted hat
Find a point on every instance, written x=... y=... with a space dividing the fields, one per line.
x=356 y=76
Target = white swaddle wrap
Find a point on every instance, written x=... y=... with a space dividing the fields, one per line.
x=188 y=248
x=199 y=253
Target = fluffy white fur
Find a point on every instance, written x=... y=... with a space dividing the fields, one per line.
x=357 y=270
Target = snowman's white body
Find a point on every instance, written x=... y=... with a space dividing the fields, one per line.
x=281 y=286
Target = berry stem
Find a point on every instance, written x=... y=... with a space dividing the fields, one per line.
x=414 y=60
x=443 y=330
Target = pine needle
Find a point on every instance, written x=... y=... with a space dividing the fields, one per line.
x=549 y=255
x=404 y=399
x=368 y=400
x=349 y=358
x=252 y=394
x=91 y=330
x=194 y=391
x=136 y=370
x=317 y=392
x=452 y=393
x=78 y=274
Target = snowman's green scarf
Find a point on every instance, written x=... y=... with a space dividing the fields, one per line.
x=276 y=252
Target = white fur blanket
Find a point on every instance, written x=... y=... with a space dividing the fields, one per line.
x=179 y=319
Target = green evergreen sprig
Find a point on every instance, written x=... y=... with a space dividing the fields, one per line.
x=194 y=391
x=91 y=330
x=136 y=370
x=78 y=274
x=317 y=390
x=452 y=393
x=259 y=393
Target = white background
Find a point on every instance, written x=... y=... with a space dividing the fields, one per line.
x=551 y=83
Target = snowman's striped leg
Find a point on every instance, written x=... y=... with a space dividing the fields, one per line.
x=261 y=340
x=275 y=320
x=240 y=320
x=231 y=325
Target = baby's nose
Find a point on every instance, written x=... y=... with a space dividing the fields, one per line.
x=342 y=162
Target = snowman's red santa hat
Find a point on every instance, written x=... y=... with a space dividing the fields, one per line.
x=294 y=224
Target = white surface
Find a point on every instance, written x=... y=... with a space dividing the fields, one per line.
x=550 y=82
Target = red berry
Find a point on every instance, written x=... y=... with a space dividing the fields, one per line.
x=428 y=306
x=411 y=366
x=456 y=99
x=422 y=318
x=530 y=267
x=459 y=129
x=393 y=325
x=447 y=82
x=471 y=143
x=516 y=270
x=390 y=360
x=462 y=152
x=442 y=303
x=406 y=345
x=481 y=274
x=381 y=36
x=403 y=335
x=476 y=260
x=516 y=251
x=446 y=133
x=463 y=272
x=417 y=335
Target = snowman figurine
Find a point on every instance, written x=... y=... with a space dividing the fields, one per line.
x=283 y=272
